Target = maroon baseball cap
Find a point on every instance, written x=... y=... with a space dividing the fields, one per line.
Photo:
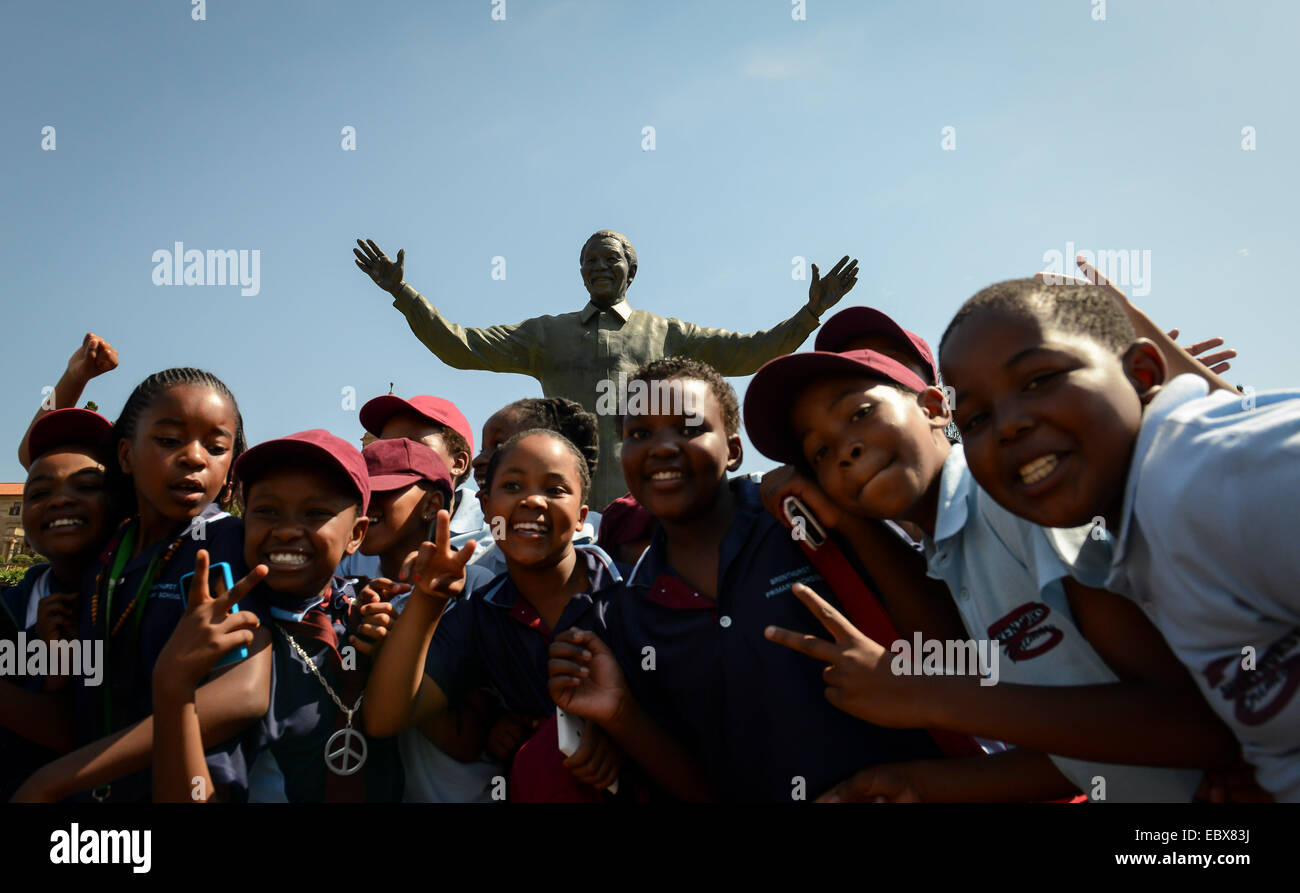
x=858 y=322
x=399 y=462
x=315 y=445
x=69 y=427
x=774 y=388
x=437 y=410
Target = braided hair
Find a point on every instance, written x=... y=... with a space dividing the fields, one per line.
x=121 y=487
x=584 y=473
x=566 y=417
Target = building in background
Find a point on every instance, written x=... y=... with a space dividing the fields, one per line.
x=12 y=538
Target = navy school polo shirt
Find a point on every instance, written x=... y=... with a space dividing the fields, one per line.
x=129 y=665
x=496 y=638
x=19 y=757
x=302 y=716
x=753 y=713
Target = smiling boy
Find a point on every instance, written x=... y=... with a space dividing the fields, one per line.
x=871 y=433
x=65 y=515
x=306 y=497
x=1068 y=418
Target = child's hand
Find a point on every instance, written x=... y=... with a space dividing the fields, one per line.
x=54 y=616
x=585 y=679
x=508 y=734
x=1216 y=362
x=597 y=760
x=386 y=273
x=372 y=618
x=95 y=357
x=435 y=570
x=786 y=481
x=824 y=294
x=206 y=632
x=53 y=623
x=859 y=680
x=889 y=783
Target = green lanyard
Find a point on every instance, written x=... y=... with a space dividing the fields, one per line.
x=120 y=558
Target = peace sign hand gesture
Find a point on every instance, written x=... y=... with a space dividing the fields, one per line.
x=436 y=570
x=207 y=630
x=386 y=273
x=824 y=294
x=858 y=677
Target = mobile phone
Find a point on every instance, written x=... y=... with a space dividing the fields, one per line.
x=568 y=733
x=220 y=582
x=794 y=508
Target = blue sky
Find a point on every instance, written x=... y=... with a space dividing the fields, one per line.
x=479 y=138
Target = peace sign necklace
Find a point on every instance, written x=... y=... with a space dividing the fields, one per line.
x=347 y=743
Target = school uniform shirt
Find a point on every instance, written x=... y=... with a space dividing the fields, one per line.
x=23 y=601
x=130 y=655
x=431 y=775
x=1006 y=574
x=19 y=758
x=496 y=638
x=1207 y=545
x=753 y=713
x=302 y=716
x=20 y=605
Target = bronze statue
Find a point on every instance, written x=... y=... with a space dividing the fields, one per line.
x=573 y=353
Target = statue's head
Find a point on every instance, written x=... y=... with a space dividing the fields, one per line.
x=608 y=267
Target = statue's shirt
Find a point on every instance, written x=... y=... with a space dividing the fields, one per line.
x=573 y=353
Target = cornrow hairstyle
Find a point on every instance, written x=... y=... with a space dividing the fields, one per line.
x=628 y=251
x=583 y=471
x=1087 y=310
x=568 y=418
x=688 y=368
x=121 y=487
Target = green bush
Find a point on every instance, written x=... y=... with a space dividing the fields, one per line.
x=9 y=575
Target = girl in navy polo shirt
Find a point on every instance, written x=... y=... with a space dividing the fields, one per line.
x=717 y=573
x=537 y=484
x=175 y=441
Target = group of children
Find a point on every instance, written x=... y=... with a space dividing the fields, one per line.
x=1075 y=494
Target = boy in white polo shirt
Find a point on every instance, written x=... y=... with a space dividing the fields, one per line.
x=1199 y=487
x=1086 y=682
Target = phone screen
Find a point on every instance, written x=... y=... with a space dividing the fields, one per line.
x=217 y=581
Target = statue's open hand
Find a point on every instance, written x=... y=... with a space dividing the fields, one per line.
x=375 y=264
x=824 y=294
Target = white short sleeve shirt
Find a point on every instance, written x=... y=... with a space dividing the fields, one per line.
x=1005 y=574
x=1209 y=544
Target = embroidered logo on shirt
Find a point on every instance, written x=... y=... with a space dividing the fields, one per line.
x=1024 y=634
x=782 y=582
x=1261 y=693
x=166 y=590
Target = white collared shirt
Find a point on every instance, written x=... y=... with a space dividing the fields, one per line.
x=1006 y=574
x=1208 y=546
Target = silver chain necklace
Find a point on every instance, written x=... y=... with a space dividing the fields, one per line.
x=347 y=743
